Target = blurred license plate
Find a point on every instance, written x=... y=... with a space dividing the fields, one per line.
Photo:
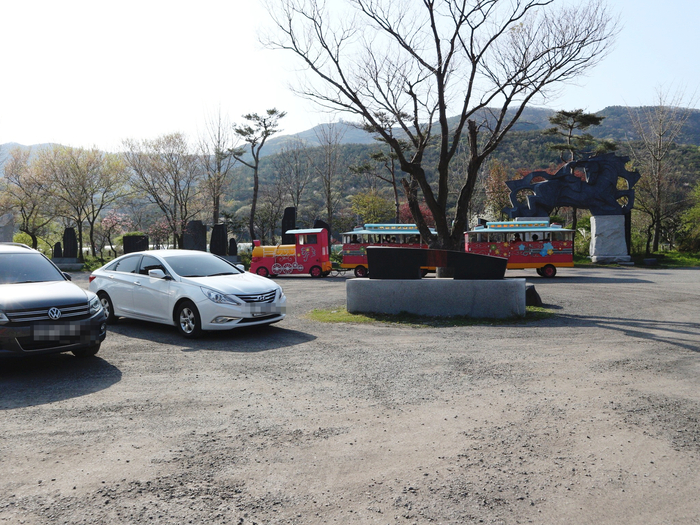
x=50 y=332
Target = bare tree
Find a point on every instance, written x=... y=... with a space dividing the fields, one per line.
x=69 y=182
x=255 y=134
x=497 y=193
x=216 y=150
x=272 y=201
x=658 y=192
x=388 y=159
x=107 y=185
x=293 y=169
x=29 y=194
x=328 y=168
x=424 y=61
x=85 y=182
x=383 y=167
x=168 y=174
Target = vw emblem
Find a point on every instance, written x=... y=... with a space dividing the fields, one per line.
x=54 y=313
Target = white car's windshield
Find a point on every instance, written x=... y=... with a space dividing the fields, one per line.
x=200 y=265
x=18 y=268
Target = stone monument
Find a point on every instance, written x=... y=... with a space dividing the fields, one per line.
x=195 y=237
x=217 y=244
x=135 y=243
x=69 y=260
x=318 y=223
x=7 y=227
x=289 y=222
x=70 y=244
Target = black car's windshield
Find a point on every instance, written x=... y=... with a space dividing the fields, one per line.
x=200 y=265
x=30 y=267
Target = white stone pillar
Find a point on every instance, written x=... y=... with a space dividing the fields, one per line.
x=608 y=243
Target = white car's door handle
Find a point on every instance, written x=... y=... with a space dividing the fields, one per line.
x=137 y=283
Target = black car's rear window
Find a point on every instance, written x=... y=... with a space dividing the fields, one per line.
x=27 y=268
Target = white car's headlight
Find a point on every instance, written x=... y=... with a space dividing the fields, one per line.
x=280 y=294
x=220 y=298
x=95 y=305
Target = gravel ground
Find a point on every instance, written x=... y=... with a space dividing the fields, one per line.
x=589 y=417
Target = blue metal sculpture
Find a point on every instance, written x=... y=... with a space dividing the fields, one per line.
x=599 y=192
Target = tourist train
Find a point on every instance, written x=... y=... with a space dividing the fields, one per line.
x=530 y=243
x=355 y=243
x=309 y=254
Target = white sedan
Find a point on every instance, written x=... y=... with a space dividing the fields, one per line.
x=190 y=289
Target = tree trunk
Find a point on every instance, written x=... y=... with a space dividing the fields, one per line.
x=215 y=214
x=93 y=249
x=251 y=222
x=80 y=242
x=397 y=206
x=657 y=236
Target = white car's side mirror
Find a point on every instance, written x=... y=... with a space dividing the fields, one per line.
x=156 y=274
x=240 y=267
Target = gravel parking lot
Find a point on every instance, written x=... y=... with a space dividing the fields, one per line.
x=589 y=417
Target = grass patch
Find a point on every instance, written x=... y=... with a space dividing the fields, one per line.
x=341 y=315
x=671 y=259
x=663 y=260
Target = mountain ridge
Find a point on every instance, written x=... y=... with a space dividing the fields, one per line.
x=616 y=126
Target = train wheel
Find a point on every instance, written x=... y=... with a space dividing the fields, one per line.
x=316 y=271
x=539 y=271
x=549 y=271
x=361 y=271
x=262 y=271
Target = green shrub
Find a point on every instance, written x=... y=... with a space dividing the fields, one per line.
x=42 y=245
x=245 y=258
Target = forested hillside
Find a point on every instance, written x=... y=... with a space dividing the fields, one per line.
x=616 y=126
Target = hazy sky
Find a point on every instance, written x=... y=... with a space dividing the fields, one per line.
x=84 y=73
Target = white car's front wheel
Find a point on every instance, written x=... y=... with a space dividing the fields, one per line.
x=106 y=303
x=187 y=319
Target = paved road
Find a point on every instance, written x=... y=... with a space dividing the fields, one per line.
x=588 y=417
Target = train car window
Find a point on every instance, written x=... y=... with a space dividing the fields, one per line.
x=495 y=237
x=308 y=239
